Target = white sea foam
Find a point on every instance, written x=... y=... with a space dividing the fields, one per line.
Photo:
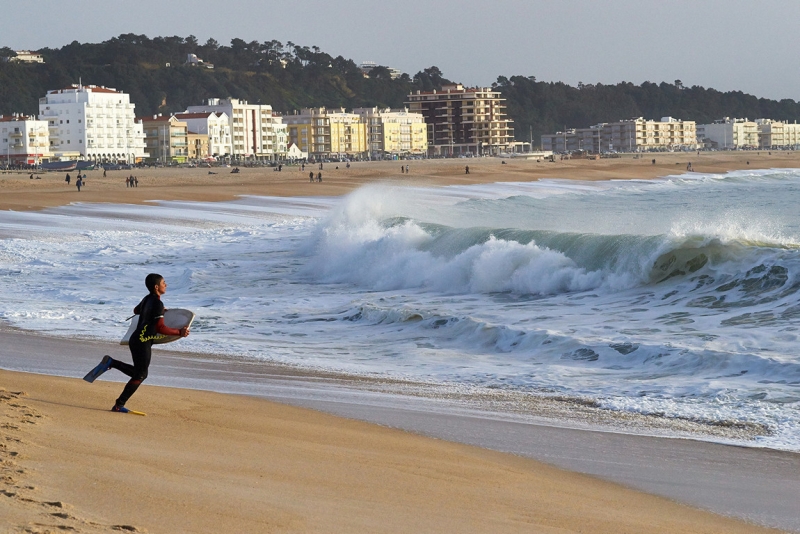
x=677 y=296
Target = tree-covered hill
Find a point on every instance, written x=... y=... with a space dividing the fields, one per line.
x=289 y=76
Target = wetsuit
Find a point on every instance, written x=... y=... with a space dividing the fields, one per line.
x=150 y=327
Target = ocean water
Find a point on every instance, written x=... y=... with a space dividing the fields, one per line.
x=677 y=297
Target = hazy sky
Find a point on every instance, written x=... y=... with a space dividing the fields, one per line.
x=746 y=45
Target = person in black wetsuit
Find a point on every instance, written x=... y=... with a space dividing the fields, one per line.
x=150 y=327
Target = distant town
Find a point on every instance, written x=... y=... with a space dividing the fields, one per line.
x=99 y=125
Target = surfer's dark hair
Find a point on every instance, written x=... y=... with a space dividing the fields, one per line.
x=152 y=280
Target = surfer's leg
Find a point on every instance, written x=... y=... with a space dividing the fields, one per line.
x=124 y=368
x=141 y=362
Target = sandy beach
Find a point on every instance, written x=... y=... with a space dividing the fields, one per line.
x=209 y=462
x=19 y=192
x=205 y=462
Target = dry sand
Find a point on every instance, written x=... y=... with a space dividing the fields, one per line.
x=18 y=192
x=205 y=462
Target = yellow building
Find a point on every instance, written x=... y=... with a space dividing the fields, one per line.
x=198 y=145
x=394 y=132
x=166 y=138
x=322 y=133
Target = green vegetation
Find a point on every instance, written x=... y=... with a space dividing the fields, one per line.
x=289 y=76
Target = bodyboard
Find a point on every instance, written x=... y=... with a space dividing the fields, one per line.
x=173 y=318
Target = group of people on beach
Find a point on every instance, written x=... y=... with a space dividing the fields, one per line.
x=311 y=177
x=80 y=182
x=131 y=181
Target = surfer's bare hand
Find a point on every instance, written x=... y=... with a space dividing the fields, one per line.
x=184 y=331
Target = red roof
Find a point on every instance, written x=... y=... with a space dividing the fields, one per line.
x=12 y=118
x=90 y=88
x=193 y=115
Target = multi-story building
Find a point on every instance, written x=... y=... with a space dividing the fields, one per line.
x=256 y=132
x=464 y=120
x=167 y=138
x=23 y=140
x=393 y=132
x=323 y=133
x=729 y=133
x=98 y=123
x=215 y=126
x=633 y=135
x=777 y=134
x=198 y=146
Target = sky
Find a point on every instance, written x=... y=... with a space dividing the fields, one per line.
x=744 y=45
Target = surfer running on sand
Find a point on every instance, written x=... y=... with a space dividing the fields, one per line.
x=150 y=327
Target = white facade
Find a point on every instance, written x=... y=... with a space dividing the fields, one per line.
x=632 y=135
x=777 y=134
x=216 y=125
x=96 y=122
x=23 y=140
x=730 y=133
x=256 y=132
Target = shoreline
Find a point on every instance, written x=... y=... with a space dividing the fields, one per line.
x=748 y=483
x=19 y=193
x=564 y=412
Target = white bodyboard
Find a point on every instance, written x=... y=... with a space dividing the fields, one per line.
x=173 y=318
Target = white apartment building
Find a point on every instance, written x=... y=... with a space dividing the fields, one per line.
x=633 y=135
x=215 y=125
x=256 y=132
x=777 y=134
x=96 y=122
x=23 y=140
x=394 y=132
x=730 y=133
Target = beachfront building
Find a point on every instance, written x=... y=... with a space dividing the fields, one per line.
x=463 y=120
x=215 y=126
x=294 y=154
x=778 y=135
x=166 y=138
x=256 y=132
x=632 y=135
x=197 y=146
x=97 y=123
x=23 y=140
x=324 y=133
x=393 y=132
x=729 y=133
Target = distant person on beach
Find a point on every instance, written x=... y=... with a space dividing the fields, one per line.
x=406 y=169
x=104 y=172
x=151 y=326
x=311 y=176
x=654 y=161
x=65 y=179
x=136 y=181
x=402 y=169
x=79 y=183
x=466 y=169
x=319 y=176
x=127 y=181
